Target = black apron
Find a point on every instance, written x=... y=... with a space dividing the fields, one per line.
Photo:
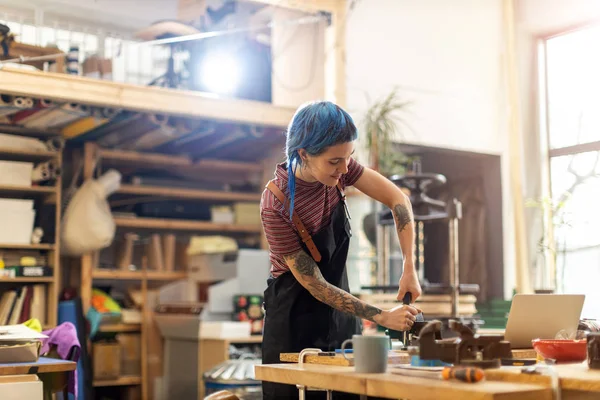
x=295 y=320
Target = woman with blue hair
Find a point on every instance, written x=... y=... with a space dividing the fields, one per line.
x=306 y=222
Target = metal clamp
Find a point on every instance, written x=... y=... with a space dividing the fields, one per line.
x=301 y=388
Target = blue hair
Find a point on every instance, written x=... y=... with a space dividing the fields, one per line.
x=315 y=127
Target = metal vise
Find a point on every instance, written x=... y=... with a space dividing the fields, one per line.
x=468 y=349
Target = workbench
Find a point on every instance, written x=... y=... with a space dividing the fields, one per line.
x=393 y=386
x=577 y=381
x=52 y=372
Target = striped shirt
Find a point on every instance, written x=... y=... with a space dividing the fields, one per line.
x=314 y=204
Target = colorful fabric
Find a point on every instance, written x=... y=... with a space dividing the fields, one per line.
x=64 y=337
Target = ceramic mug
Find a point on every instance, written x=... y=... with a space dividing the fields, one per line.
x=370 y=353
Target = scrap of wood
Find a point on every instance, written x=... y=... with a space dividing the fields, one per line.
x=395 y=357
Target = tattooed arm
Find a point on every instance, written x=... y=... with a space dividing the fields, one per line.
x=383 y=190
x=309 y=275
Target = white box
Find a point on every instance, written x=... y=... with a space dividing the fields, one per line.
x=192 y=327
x=15 y=173
x=16 y=204
x=17 y=226
x=212 y=267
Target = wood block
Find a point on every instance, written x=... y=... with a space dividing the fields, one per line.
x=395 y=357
x=168 y=247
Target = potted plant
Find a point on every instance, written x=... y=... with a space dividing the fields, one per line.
x=381 y=125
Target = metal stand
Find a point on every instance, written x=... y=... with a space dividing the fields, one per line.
x=425 y=209
x=301 y=388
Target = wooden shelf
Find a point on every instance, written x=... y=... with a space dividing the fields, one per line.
x=119 y=328
x=12 y=190
x=181 y=193
x=184 y=225
x=128 y=380
x=69 y=88
x=41 y=246
x=156 y=160
x=25 y=155
x=27 y=279
x=138 y=275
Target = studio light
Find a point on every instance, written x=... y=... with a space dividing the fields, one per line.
x=220 y=73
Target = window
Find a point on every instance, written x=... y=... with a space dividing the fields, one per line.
x=572 y=87
x=132 y=63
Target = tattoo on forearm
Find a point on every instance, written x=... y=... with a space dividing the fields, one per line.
x=403 y=216
x=304 y=264
x=328 y=293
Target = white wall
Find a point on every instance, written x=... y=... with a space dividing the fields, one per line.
x=446 y=57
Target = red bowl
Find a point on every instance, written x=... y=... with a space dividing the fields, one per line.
x=561 y=350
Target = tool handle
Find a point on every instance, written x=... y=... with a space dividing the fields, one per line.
x=464 y=374
x=407 y=299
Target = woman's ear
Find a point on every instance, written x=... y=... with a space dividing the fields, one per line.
x=303 y=155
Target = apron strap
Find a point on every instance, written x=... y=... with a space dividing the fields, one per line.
x=339 y=186
x=306 y=238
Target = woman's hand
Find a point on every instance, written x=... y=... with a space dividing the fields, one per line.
x=400 y=318
x=409 y=282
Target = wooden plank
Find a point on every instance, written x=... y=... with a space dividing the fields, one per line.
x=42 y=366
x=13 y=190
x=335 y=55
x=395 y=357
x=27 y=279
x=163 y=160
x=119 y=328
x=184 y=225
x=325 y=377
x=70 y=88
x=138 y=275
x=572 y=377
x=127 y=380
x=395 y=386
x=425 y=298
x=400 y=357
x=310 y=6
x=26 y=155
x=182 y=193
x=39 y=246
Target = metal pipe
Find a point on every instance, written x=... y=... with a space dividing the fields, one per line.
x=455 y=215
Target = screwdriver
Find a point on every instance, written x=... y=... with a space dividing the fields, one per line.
x=463 y=374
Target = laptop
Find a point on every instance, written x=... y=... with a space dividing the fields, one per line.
x=542 y=316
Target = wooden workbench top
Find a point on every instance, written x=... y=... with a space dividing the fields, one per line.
x=43 y=365
x=396 y=386
x=395 y=357
x=572 y=377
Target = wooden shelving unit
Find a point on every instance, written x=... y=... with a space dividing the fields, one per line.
x=195 y=107
x=44 y=195
x=128 y=161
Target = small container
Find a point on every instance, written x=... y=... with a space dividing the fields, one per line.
x=564 y=350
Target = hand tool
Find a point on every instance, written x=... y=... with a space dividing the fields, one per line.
x=407 y=300
x=463 y=374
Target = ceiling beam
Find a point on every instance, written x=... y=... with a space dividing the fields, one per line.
x=310 y=6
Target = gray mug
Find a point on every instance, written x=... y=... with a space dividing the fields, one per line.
x=370 y=353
